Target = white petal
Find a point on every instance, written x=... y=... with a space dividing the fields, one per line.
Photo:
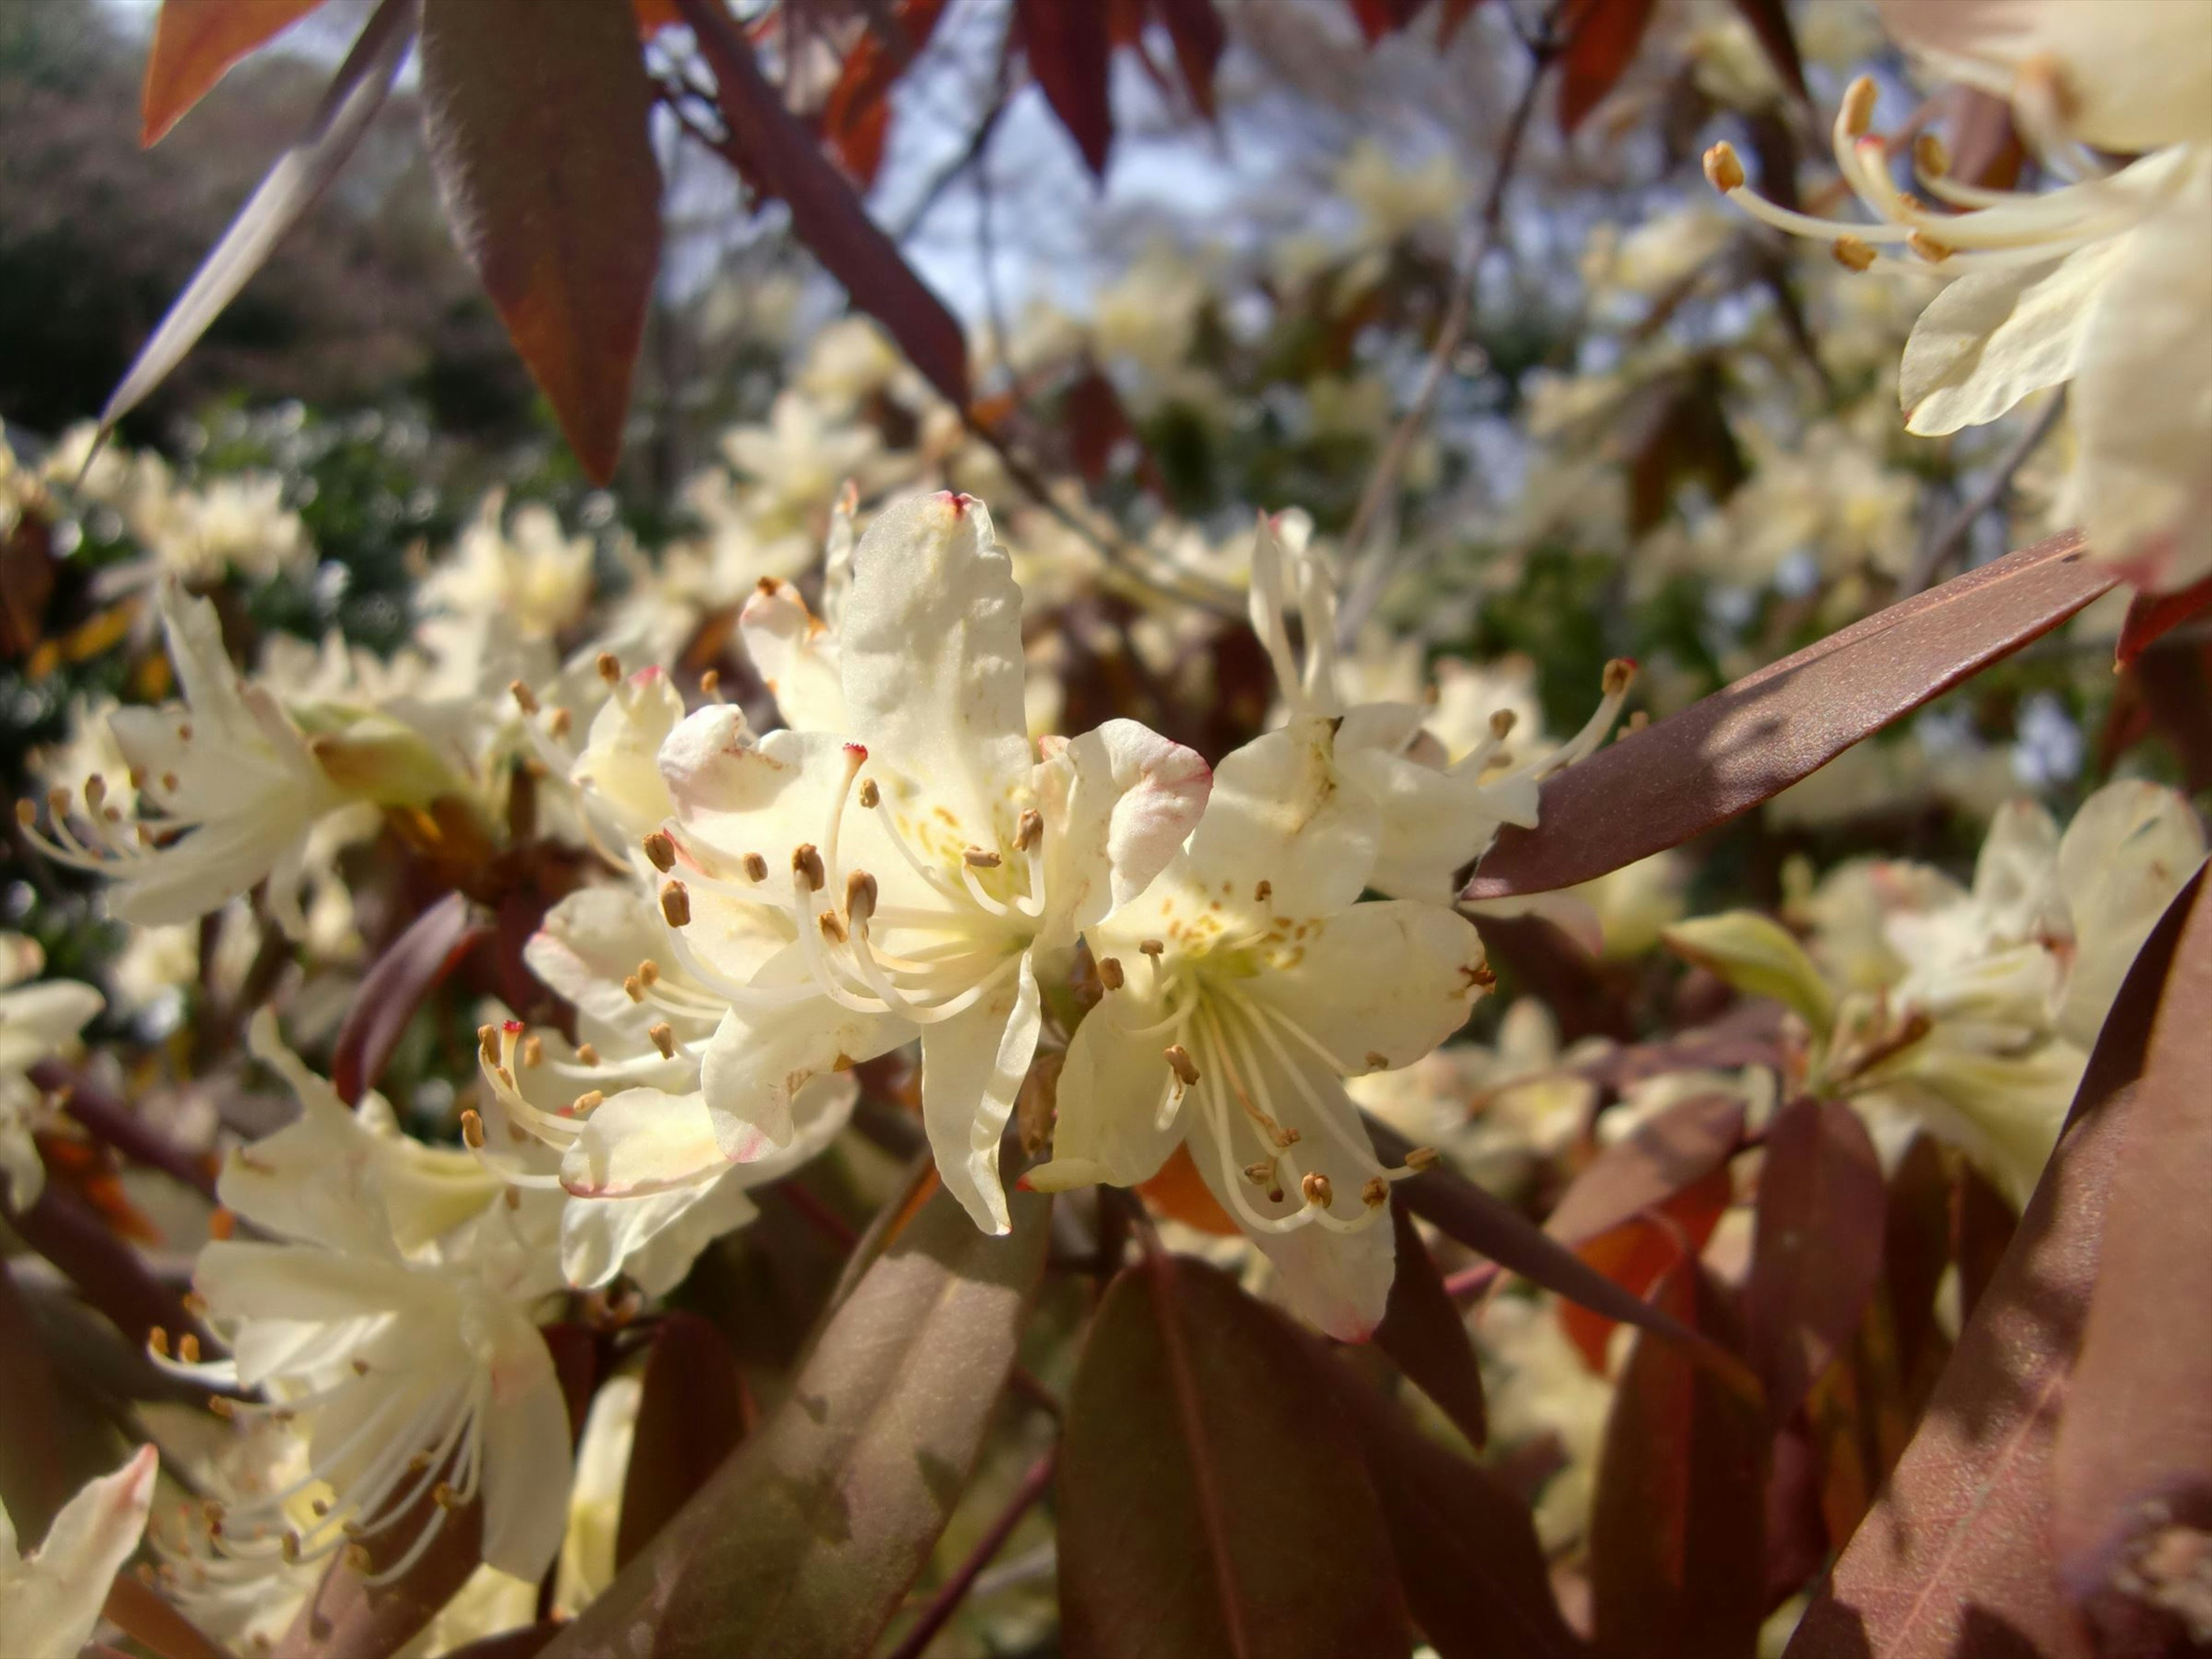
x=1993 y=337
x=1112 y=1086
x=618 y=767
x=50 y=1604
x=50 y=1012
x=643 y=1141
x=1434 y=824
x=755 y=1066
x=1280 y=813
x=654 y=1240
x=1118 y=802
x=1387 y=980
x=254 y=1281
x=526 y=1460
x=972 y=1067
x=796 y=657
x=2125 y=855
x=589 y=943
x=932 y=649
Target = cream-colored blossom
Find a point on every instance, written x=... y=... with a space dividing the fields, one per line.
x=51 y=1597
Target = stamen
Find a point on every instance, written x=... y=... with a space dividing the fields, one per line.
x=1856 y=115
x=1263 y=892
x=675 y=903
x=870 y=797
x=859 y=896
x=1376 y=1194
x=807 y=865
x=609 y=666
x=710 y=685
x=525 y=698
x=648 y=973
x=1179 y=1062
x=533 y=1052
x=1723 y=170
x=976 y=859
x=1109 y=972
x=1317 y=1189
x=664 y=1038
x=1852 y=252
x=1029 y=829
x=660 y=848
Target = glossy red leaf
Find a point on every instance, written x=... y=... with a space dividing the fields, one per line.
x=1726 y=753
x=2134 y=1456
x=1602 y=39
x=1065 y=43
x=1475 y=1575
x=412 y=966
x=1641 y=1251
x=856 y=118
x=1982 y=1228
x=1425 y=1335
x=1678 y=1522
x=1816 y=1246
x=2151 y=616
x=693 y=1409
x=1213 y=1498
x=1194 y=29
x=538 y=120
x=1958 y=1550
x=806 y=1540
x=1770 y=22
x=780 y=157
x=1916 y=1248
x=194 y=42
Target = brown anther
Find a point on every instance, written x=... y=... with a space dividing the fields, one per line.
x=1179 y=1062
x=807 y=865
x=444 y=1497
x=1263 y=892
x=1377 y=1060
x=675 y=903
x=169 y=782
x=1151 y=947
x=587 y=1054
x=361 y=1367
x=1287 y=1138
x=587 y=1100
x=320 y=1505
x=96 y=792
x=158 y=1341
x=755 y=866
x=976 y=859
x=632 y=989
x=710 y=683
x=1029 y=829
x=512 y=1199
x=560 y=722
x=648 y=973
x=473 y=1129
x=1929 y=248
x=870 y=796
x=1636 y=722
x=1852 y=252
x=188 y=1348
x=185 y=733
x=1317 y=1189
x=289 y=1548
x=1109 y=972
x=833 y=928
x=1619 y=674
x=1482 y=976
x=1724 y=172
x=1261 y=1175
x=488 y=1043
x=57 y=803
x=1859 y=99
x=859 y=898
x=661 y=850
x=1929 y=158
x=1422 y=1158
x=223 y=1405
x=663 y=1035
x=609 y=666
x=525 y=698
x=358 y=1558
x=533 y=1052
x=1376 y=1194
x=26 y=814
x=195 y=1303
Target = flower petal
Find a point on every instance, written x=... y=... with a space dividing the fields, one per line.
x=1381 y=982
x=755 y=1066
x=526 y=1469
x=796 y=657
x=2124 y=858
x=1118 y=803
x=643 y=1141
x=972 y=1067
x=1993 y=337
x=618 y=768
x=1280 y=813
x=52 y=1601
x=1112 y=1086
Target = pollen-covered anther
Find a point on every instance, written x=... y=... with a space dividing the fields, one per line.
x=96 y=792
x=1029 y=829
x=1179 y=1062
x=676 y=904
x=663 y=1037
x=1852 y=252
x=26 y=814
x=755 y=866
x=560 y=722
x=488 y=1043
x=1286 y=1137
x=1377 y=1060
x=1109 y=972
x=1859 y=99
x=1619 y=674
x=870 y=796
x=223 y=1405
x=288 y=1547
x=1317 y=1189
x=358 y=1558
x=587 y=1100
x=609 y=666
x=660 y=848
x=1261 y=1175
x=1153 y=948
x=533 y=1052
x=648 y=973
x=1929 y=158
x=632 y=989
x=1723 y=171
x=444 y=1497
x=1376 y=1194
x=586 y=1055
x=976 y=858
x=473 y=1130
x=195 y=1304
x=807 y=865
x=833 y=928
x=525 y=698
x=1935 y=251
x=158 y=1339
x=1263 y=891
x=710 y=683
x=1422 y=1158
x=188 y=1348
x=859 y=898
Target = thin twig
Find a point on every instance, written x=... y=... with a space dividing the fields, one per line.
x=1475 y=243
x=1947 y=544
x=954 y=1590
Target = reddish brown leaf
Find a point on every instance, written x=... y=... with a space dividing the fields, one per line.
x=1097 y=424
x=538 y=122
x=1068 y=54
x=412 y=966
x=344 y=1616
x=1981 y=1227
x=1453 y=19
x=1726 y=753
x=1986 y=144
x=1602 y=42
x=112 y=1277
x=1377 y=18
x=35 y=1478
x=2134 y=1456
x=1770 y=22
x=1664 y=1155
x=2176 y=685
x=1958 y=1550
x=857 y=115
x=525 y=1644
x=692 y=1410
x=1636 y=1254
x=1195 y=31
x=1213 y=1499
x=194 y=42
x=1816 y=1246
x=1424 y=1333
x=654 y=16
x=1177 y=1191
x=27 y=582
x=144 y=1617
x=1916 y=1248
x=1678 y=1522
x=779 y=154
x=2151 y=615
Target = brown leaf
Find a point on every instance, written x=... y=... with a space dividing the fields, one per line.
x=1726 y=753
x=781 y=156
x=806 y=1540
x=345 y=1618
x=1663 y=1155
x=1213 y=1499
x=412 y=966
x=536 y=118
x=857 y=116
x=194 y=42
x=1916 y=1248
x=1453 y=19
x=1958 y=1550
x=693 y=1409
x=2151 y=615
x=1816 y=1246
x=1770 y=22
x=113 y=1278
x=1641 y=1251
x=1194 y=29
x=34 y=1477
x=1678 y=1521
x=1602 y=42
x=1982 y=1228
x=144 y=1617
x=1424 y=1333
x=1068 y=54
x=2134 y=1454
x=27 y=582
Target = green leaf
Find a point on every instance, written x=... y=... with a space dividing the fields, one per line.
x=804 y=1542
x=1757 y=954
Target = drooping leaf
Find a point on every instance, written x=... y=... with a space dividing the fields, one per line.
x=537 y=119
x=356 y=91
x=1425 y=1335
x=1726 y=753
x=2151 y=616
x=1475 y=1575
x=34 y=1480
x=1213 y=1500
x=412 y=966
x=1770 y=22
x=856 y=118
x=1603 y=41
x=1958 y=1550
x=2134 y=1456
x=1816 y=1247
x=1677 y=1525
x=1195 y=31
x=781 y=156
x=806 y=1540
x=194 y=42
x=1067 y=50
x=693 y=1409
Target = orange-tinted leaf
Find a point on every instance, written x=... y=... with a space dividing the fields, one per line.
x=654 y=16
x=1636 y=1254
x=2134 y=1456
x=857 y=115
x=1213 y=1498
x=1068 y=53
x=194 y=42
x=35 y=1476
x=1816 y=1247
x=1194 y=28
x=1726 y=753
x=693 y=1408
x=119 y=1281
x=1425 y=1335
x=2150 y=615
x=1666 y=1154
x=1678 y=1523
x=1602 y=42
x=1180 y=1192
x=538 y=121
